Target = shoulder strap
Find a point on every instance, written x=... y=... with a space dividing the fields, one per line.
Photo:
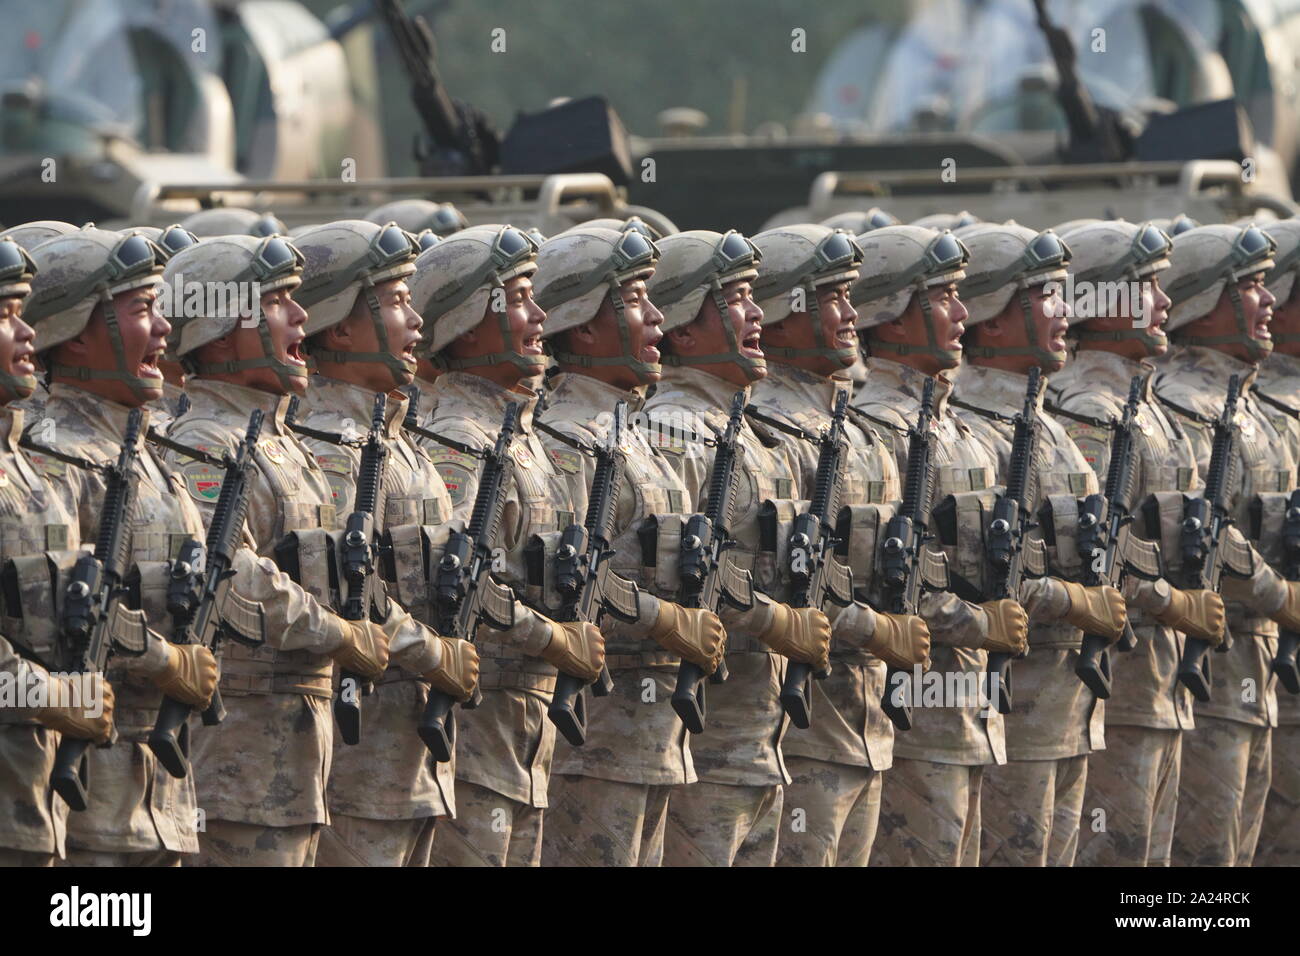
x=752 y=413
x=985 y=412
x=85 y=464
x=162 y=441
x=1054 y=409
x=872 y=419
x=1279 y=405
x=1181 y=410
x=563 y=438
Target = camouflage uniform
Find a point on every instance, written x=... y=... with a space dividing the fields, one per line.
x=731 y=816
x=33 y=520
x=931 y=803
x=1033 y=803
x=837 y=763
x=1226 y=760
x=1135 y=779
x=1279 y=836
x=609 y=798
x=505 y=745
x=385 y=793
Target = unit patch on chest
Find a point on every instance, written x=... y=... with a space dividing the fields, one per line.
x=203 y=481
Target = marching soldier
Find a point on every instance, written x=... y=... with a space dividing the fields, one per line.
x=484 y=334
x=34 y=521
x=732 y=815
x=1031 y=805
x=1219 y=327
x=385 y=793
x=609 y=798
x=910 y=316
x=263 y=771
x=838 y=762
x=1135 y=779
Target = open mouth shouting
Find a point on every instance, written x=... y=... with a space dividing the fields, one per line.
x=532 y=344
x=1059 y=327
x=1260 y=330
x=21 y=364
x=749 y=343
x=293 y=352
x=649 y=352
x=846 y=337
x=148 y=367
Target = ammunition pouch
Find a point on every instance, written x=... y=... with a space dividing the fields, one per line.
x=772 y=561
x=32 y=588
x=1268 y=526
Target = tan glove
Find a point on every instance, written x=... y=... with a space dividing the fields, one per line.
x=1096 y=610
x=72 y=719
x=1196 y=613
x=901 y=641
x=364 y=651
x=576 y=648
x=694 y=634
x=1008 y=628
x=190 y=675
x=800 y=633
x=1289 y=614
x=458 y=672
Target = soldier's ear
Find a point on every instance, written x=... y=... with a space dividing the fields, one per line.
x=682 y=337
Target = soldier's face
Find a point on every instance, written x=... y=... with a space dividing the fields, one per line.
x=601 y=337
x=16 y=352
x=836 y=318
x=357 y=334
x=143 y=332
x=1286 y=323
x=284 y=320
x=1150 y=313
x=1050 y=315
x=707 y=334
x=524 y=319
x=1256 y=310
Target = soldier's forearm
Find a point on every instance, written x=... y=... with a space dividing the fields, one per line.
x=952 y=621
x=411 y=645
x=294 y=619
x=1045 y=600
x=751 y=622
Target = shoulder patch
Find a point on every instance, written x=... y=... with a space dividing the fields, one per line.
x=456 y=476
x=341 y=487
x=203 y=481
x=569 y=462
x=272 y=450
x=1092 y=440
x=441 y=453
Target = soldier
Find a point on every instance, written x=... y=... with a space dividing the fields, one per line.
x=485 y=335
x=32 y=822
x=809 y=340
x=1031 y=805
x=911 y=314
x=609 y=798
x=1278 y=388
x=233 y=221
x=732 y=815
x=263 y=771
x=1135 y=779
x=386 y=793
x=1219 y=328
x=99 y=336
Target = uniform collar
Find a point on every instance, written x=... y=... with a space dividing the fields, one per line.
x=798 y=385
x=457 y=387
x=106 y=417
x=911 y=382
x=1215 y=365
x=995 y=389
x=339 y=400
x=716 y=392
x=210 y=398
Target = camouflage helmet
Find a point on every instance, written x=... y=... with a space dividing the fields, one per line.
x=233 y=221
x=697 y=263
x=622 y=225
x=29 y=235
x=948 y=220
x=1070 y=225
x=16 y=269
x=1206 y=261
x=417 y=215
x=1286 y=260
x=170 y=239
x=1178 y=224
x=1006 y=261
x=77 y=272
x=453 y=285
x=1107 y=252
x=860 y=221
x=580 y=268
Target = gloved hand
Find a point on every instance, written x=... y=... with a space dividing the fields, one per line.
x=1008 y=627
x=364 y=651
x=901 y=641
x=1288 y=616
x=458 y=672
x=190 y=674
x=576 y=648
x=72 y=718
x=1096 y=610
x=694 y=634
x=1197 y=613
x=800 y=633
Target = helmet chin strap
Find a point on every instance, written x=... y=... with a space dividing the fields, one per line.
x=645 y=372
x=844 y=356
x=141 y=388
x=1152 y=343
x=753 y=368
x=1042 y=356
x=1256 y=349
x=948 y=358
x=15 y=388
x=285 y=373
x=401 y=369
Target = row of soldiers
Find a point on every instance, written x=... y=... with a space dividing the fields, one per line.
x=675 y=327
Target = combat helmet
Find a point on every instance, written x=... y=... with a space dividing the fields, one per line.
x=898 y=263
x=417 y=215
x=1006 y=261
x=29 y=235
x=453 y=285
x=581 y=267
x=78 y=271
x=1178 y=224
x=860 y=221
x=948 y=220
x=804 y=257
x=224 y=262
x=16 y=273
x=697 y=263
x=170 y=239
x=1115 y=251
x=233 y=221
x=622 y=225
x=1205 y=261
x=347 y=259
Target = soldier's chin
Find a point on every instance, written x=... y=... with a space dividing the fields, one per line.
x=1157 y=343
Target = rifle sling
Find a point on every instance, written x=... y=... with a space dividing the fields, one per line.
x=1279 y=405
x=561 y=437
x=1185 y=412
x=189 y=451
x=860 y=414
x=980 y=410
x=85 y=464
x=333 y=438
x=1055 y=409
x=752 y=412
x=444 y=440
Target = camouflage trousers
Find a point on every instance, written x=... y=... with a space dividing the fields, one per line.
x=830 y=816
x=359 y=841
x=594 y=822
x=1134 y=782
x=10 y=858
x=489 y=830
x=1226 y=771
x=228 y=843
x=1279 y=837
x=716 y=824
x=930 y=815
x=1031 y=810
x=114 y=859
